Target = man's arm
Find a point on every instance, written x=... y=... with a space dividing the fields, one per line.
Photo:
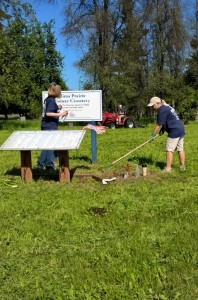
x=154 y=133
x=156 y=129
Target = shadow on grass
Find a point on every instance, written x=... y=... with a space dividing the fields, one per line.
x=141 y=160
x=44 y=174
x=13 y=172
x=146 y=160
x=160 y=164
x=36 y=174
x=72 y=171
x=83 y=157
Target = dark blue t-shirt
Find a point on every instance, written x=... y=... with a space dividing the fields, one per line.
x=49 y=123
x=168 y=117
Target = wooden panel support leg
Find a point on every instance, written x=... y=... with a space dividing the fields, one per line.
x=64 y=173
x=26 y=166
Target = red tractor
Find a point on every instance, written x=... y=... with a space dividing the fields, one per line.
x=113 y=120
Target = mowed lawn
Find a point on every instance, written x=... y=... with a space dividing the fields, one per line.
x=134 y=238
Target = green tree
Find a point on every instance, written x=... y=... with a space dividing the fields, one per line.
x=191 y=75
x=29 y=61
x=166 y=36
x=129 y=68
x=114 y=58
x=134 y=50
x=53 y=60
x=94 y=21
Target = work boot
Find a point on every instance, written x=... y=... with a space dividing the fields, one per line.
x=167 y=170
x=39 y=167
x=182 y=168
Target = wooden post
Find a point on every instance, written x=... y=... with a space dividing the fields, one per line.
x=26 y=166
x=64 y=174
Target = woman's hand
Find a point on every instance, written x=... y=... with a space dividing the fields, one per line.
x=64 y=113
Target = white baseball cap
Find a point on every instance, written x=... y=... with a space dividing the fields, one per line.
x=154 y=100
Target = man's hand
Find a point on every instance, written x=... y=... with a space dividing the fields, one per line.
x=153 y=135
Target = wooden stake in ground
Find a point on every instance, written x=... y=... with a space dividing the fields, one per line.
x=26 y=166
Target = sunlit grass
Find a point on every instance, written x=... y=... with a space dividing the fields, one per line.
x=131 y=239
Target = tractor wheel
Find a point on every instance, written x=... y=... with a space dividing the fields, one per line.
x=112 y=125
x=129 y=124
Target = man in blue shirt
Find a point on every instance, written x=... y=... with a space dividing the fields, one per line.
x=168 y=120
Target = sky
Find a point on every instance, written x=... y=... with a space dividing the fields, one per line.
x=46 y=12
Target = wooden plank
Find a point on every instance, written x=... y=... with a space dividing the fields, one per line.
x=64 y=173
x=26 y=166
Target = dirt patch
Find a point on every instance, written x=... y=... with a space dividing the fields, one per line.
x=120 y=177
x=97 y=211
x=126 y=173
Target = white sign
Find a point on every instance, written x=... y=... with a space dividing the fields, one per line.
x=44 y=140
x=81 y=105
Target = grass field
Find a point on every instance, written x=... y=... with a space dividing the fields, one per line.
x=133 y=238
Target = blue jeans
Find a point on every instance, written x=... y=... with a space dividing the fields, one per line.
x=47 y=158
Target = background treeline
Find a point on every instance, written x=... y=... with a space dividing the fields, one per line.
x=28 y=59
x=137 y=49
x=132 y=51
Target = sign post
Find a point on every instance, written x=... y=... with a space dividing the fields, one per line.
x=93 y=145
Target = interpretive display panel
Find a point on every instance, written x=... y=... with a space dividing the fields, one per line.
x=44 y=140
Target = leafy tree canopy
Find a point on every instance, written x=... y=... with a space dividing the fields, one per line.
x=29 y=60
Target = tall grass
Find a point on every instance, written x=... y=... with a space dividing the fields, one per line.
x=129 y=239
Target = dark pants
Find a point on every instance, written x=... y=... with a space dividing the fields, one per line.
x=47 y=158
